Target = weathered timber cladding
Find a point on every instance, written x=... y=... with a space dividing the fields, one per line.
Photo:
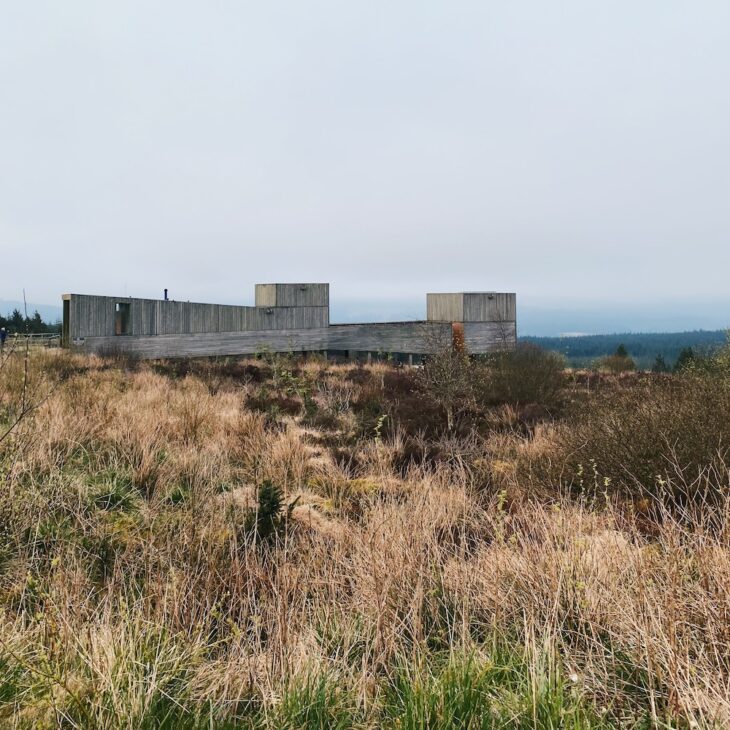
x=445 y=307
x=265 y=295
x=480 y=337
x=290 y=318
x=489 y=307
x=471 y=307
x=292 y=295
x=93 y=316
x=392 y=337
x=172 y=317
x=415 y=337
x=210 y=344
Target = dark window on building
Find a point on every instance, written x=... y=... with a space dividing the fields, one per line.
x=66 y=328
x=122 y=319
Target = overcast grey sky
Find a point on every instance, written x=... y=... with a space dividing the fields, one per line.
x=570 y=151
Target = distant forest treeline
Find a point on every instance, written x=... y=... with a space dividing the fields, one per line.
x=643 y=347
x=16 y=322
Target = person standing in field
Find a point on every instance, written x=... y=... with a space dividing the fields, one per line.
x=3 y=337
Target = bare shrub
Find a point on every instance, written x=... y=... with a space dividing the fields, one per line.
x=615 y=364
x=525 y=375
x=447 y=377
x=335 y=396
x=634 y=440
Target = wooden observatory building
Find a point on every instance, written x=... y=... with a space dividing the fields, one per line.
x=285 y=318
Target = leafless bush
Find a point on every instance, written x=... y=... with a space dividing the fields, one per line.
x=448 y=377
x=636 y=440
x=525 y=375
x=336 y=396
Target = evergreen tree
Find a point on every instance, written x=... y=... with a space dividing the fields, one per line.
x=36 y=323
x=621 y=351
x=17 y=321
x=660 y=365
x=685 y=360
x=19 y=324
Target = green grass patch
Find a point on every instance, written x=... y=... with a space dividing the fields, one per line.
x=113 y=489
x=317 y=701
x=504 y=689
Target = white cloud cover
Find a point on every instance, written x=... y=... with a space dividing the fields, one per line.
x=573 y=152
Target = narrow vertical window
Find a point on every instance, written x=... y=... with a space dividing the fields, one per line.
x=121 y=319
x=66 y=328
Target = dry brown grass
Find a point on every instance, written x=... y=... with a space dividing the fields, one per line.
x=128 y=575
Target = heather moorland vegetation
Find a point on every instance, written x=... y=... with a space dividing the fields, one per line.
x=286 y=543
